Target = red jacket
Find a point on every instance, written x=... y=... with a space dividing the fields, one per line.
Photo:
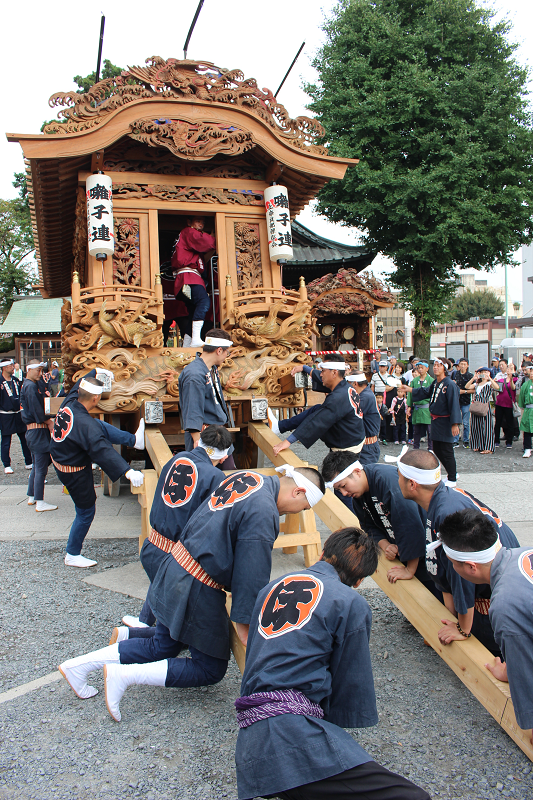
x=187 y=257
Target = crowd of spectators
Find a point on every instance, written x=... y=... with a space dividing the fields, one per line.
x=492 y=399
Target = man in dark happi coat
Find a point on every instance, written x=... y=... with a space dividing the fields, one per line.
x=78 y=440
x=474 y=548
x=418 y=481
x=371 y=418
x=308 y=675
x=184 y=483
x=397 y=525
x=445 y=416
x=38 y=427
x=10 y=414
x=226 y=543
x=338 y=422
x=201 y=397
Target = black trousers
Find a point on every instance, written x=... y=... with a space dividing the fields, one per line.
x=504 y=419
x=445 y=454
x=368 y=781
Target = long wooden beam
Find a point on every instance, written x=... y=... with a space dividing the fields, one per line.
x=420 y=607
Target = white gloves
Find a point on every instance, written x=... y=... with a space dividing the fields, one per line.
x=135 y=477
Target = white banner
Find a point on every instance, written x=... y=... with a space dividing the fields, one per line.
x=278 y=223
x=100 y=231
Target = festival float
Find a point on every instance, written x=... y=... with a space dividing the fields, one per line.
x=111 y=184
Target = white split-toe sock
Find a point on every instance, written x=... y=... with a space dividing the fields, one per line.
x=79 y=561
x=120 y=634
x=75 y=670
x=41 y=505
x=196 y=339
x=139 y=436
x=273 y=422
x=186 y=340
x=28 y=466
x=8 y=470
x=133 y=622
x=119 y=676
x=31 y=501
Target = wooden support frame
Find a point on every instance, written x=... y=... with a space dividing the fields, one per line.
x=467 y=658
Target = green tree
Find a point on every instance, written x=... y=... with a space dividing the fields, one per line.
x=16 y=245
x=427 y=94
x=84 y=83
x=484 y=305
x=109 y=71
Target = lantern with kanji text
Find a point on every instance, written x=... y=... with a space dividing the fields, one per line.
x=278 y=223
x=100 y=231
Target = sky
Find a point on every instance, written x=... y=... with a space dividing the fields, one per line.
x=45 y=44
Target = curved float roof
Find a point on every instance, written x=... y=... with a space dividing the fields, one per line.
x=195 y=111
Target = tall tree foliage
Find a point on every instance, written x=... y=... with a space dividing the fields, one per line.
x=484 y=305
x=17 y=271
x=427 y=94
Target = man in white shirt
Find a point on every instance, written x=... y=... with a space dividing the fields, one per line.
x=379 y=383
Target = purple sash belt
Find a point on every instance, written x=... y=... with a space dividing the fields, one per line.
x=263 y=705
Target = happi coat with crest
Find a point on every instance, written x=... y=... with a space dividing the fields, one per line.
x=78 y=440
x=309 y=633
x=32 y=412
x=201 y=398
x=384 y=513
x=231 y=536
x=10 y=413
x=444 y=407
x=338 y=422
x=185 y=482
x=446 y=501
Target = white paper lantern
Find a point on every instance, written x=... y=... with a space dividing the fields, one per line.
x=100 y=230
x=278 y=223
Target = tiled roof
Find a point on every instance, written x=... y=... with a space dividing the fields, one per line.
x=313 y=250
x=34 y=315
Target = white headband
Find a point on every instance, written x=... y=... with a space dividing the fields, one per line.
x=359 y=378
x=7 y=362
x=479 y=557
x=213 y=453
x=344 y=474
x=36 y=366
x=90 y=387
x=426 y=477
x=438 y=361
x=312 y=492
x=212 y=342
x=341 y=365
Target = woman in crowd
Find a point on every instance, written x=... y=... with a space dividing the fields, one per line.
x=525 y=401
x=481 y=425
x=399 y=373
x=504 y=404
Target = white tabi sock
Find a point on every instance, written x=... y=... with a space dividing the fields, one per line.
x=133 y=622
x=186 y=340
x=119 y=676
x=196 y=340
x=75 y=670
x=120 y=634
x=139 y=436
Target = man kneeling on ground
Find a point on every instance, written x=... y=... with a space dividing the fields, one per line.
x=308 y=675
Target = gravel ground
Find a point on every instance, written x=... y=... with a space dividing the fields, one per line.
x=179 y=744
